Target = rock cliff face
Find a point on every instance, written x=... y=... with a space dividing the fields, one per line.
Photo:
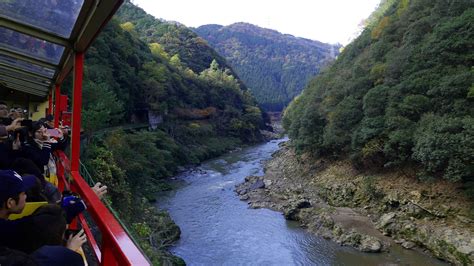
x=369 y=211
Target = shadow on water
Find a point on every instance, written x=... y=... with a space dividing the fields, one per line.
x=219 y=229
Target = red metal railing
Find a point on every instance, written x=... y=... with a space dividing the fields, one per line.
x=57 y=103
x=116 y=247
x=76 y=112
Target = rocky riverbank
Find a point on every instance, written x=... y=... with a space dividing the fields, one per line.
x=368 y=211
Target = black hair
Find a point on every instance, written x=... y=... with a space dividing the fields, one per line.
x=3 y=103
x=48 y=224
x=34 y=127
x=36 y=193
x=25 y=166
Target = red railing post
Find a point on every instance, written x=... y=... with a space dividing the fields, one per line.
x=50 y=103
x=117 y=248
x=76 y=112
x=57 y=103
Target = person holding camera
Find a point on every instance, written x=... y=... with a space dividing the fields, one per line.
x=9 y=124
x=4 y=119
x=42 y=231
x=39 y=145
x=17 y=112
x=10 y=142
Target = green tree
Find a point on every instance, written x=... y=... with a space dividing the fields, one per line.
x=445 y=146
x=398 y=95
x=101 y=109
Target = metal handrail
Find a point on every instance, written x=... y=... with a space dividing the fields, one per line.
x=117 y=246
x=88 y=178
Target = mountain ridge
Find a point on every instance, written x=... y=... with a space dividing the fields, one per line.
x=275 y=66
x=244 y=26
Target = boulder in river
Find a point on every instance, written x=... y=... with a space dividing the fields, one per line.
x=362 y=242
x=244 y=197
x=257 y=185
x=267 y=182
x=408 y=244
x=290 y=214
x=370 y=244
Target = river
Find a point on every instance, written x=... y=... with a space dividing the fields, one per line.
x=219 y=229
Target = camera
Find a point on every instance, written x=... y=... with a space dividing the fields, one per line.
x=26 y=123
x=22 y=132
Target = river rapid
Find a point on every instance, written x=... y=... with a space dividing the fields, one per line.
x=219 y=229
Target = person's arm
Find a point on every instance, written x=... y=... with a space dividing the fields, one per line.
x=16 y=144
x=4 y=129
x=61 y=144
x=45 y=154
x=16 y=124
x=39 y=156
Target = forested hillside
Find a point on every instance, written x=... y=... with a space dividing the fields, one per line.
x=401 y=95
x=201 y=108
x=174 y=38
x=275 y=66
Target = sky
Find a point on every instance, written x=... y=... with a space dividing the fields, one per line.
x=330 y=21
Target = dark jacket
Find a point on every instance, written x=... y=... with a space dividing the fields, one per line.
x=57 y=256
x=45 y=226
x=12 y=233
x=7 y=154
x=40 y=155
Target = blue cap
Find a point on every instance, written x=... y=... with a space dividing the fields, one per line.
x=12 y=184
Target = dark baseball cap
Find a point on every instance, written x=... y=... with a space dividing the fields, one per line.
x=12 y=184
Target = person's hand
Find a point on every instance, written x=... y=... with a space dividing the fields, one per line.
x=64 y=130
x=16 y=124
x=47 y=137
x=75 y=242
x=60 y=133
x=16 y=145
x=99 y=190
x=51 y=140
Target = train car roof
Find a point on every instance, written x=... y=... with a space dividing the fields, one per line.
x=38 y=40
